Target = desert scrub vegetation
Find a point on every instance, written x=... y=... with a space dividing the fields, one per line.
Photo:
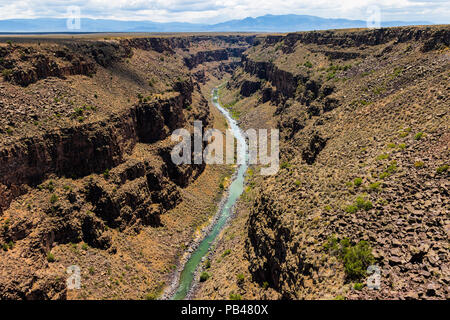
x=156 y=293
x=240 y=279
x=333 y=69
x=285 y=165
x=235 y=296
x=442 y=169
x=6 y=73
x=391 y=168
x=356 y=257
x=53 y=198
x=419 y=135
x=308 y=64
x=204 y=276
x=360 y=204
x=357 y=182
x=8 y=246
x=226 y=253
x=418 y=164
x=376 y=186
x=383 y=156
x=405 y=132
x=50 y=257
x=358 y=286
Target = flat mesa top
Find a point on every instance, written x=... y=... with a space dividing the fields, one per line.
x=119 y=35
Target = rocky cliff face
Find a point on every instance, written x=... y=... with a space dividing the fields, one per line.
x=284 y=241
x=96 y=170
x=358 y=184
x=90 y=148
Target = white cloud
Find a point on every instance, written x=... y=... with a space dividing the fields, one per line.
x=212 y=11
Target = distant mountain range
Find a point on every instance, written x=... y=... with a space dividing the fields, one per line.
x=267 y=23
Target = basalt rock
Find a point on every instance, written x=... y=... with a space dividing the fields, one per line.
x=249 y=87
x=315 y=145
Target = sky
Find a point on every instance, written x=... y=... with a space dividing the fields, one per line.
x=215 y=11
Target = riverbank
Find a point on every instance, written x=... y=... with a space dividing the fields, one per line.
x=175 y=278
x=195 y=255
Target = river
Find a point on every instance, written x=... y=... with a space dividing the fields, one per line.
x=234 y=192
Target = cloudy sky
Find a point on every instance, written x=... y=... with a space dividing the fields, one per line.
x=213 y=11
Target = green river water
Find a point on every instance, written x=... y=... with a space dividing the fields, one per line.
x=234 y=192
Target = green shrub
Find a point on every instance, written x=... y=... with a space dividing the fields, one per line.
x=442 y=169
x=418 y=164
x=78 y=111
x=207 y=264
x=418 y=136
x=265 y=285
x=154 y=295
x=331 y=75
x=383 y=156
x=358 y=286
x=356 y=260
x=51 y=186
x=50 y=257
x=308 y=64
x=392 y=167
x=236 y=296
x=339 y=297
x=226 y=253
x=384 y=175
x=6 y=73
x=53 y=198
x=84 y=246
x=204 y=276
x=351 y=209
x=284 y=165
x=375 y=186
x=357 y=182
x=361 y=203
x=240 y=278
x=106 y=174
x=151 y=296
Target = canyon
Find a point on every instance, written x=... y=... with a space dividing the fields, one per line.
x=86 y=176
